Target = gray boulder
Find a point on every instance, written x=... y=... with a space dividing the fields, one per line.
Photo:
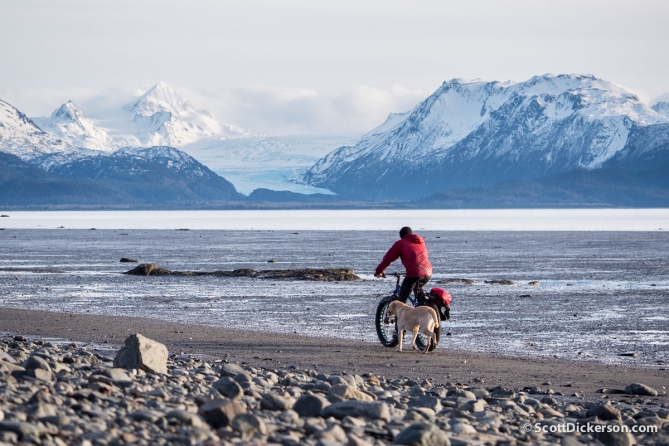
x=372 y=410
x=40 y=374
x=232 y=370
x=228 y=387
x=35 y=362
x=249 y=425
x=146 y=415
x=41 y=409
x=20 y=428
x=604 y=412
x=615 y=438
x=340 y=392
x=430 y=402
x=220 y=413
x=142 y=353
x=310 y=405
x=640 y=389
x=424 y=434
x=334 y=434
x=271 y=401
x=188 y=418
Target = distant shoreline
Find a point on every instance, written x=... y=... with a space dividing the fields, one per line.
x=586 y=219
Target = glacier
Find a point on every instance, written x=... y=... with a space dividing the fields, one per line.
x=163 y=117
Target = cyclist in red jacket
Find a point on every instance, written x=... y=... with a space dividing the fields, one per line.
x=412 y=251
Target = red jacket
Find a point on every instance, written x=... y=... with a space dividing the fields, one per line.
x=413 y=252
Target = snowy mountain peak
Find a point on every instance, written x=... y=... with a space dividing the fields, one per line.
x=70 y=124
x=68 y=112
x=13 y=122
x=162 y=116
x=21 y=137
x=162 y=97
x=661 y=105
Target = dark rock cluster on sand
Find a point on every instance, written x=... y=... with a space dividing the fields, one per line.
x=68 y=395
x=499 y=282
x=456 y=280
x=314 y=274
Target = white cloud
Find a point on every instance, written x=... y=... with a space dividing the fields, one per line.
x=278 y=110
x=262 y=110
x=43 y=101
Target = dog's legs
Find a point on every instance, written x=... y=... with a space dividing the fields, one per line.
x=413 y=341
x=400 y=338
x=430 y=340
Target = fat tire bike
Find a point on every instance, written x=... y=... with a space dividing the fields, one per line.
x=386 y=329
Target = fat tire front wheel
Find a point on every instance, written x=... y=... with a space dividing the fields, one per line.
x=387 y=333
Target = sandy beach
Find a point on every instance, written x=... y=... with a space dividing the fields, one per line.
x=333 y=356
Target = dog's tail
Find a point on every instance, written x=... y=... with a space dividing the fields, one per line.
x=436 y=318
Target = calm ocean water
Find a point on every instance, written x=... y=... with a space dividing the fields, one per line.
x=343 y=220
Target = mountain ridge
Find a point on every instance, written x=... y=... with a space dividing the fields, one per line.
x=474 y=133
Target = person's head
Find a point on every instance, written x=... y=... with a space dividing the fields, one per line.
x=405 y=231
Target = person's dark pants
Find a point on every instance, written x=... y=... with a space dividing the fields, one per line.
x=414 y=284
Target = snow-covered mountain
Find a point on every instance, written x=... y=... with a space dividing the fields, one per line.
x=128 y=176
x=21 y=137
x=476 y=133
x=161 y=116
x=69 y=123
x=661 y=105
x=155 y=174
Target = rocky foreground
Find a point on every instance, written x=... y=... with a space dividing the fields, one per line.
x=64 y=394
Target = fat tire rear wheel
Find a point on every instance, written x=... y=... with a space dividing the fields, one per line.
x=387 y=333
x=420 y=341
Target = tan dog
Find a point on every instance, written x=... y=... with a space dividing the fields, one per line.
x=414 y=319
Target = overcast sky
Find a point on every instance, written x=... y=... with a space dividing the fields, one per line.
x=315 y=66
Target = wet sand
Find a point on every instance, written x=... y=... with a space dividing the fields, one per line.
x=336 y=356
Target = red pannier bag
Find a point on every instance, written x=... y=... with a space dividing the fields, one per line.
x=441 y=294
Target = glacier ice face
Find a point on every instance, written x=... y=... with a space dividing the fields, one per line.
x=275 y=162
x=475 y=133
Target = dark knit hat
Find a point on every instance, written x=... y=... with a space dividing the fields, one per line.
x=405 y=231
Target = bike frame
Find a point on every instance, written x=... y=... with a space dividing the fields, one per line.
x=396 y=294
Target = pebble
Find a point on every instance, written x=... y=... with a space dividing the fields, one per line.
x=87 y=401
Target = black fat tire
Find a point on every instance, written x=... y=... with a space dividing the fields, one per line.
x=420 y=343
x=383 y=329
